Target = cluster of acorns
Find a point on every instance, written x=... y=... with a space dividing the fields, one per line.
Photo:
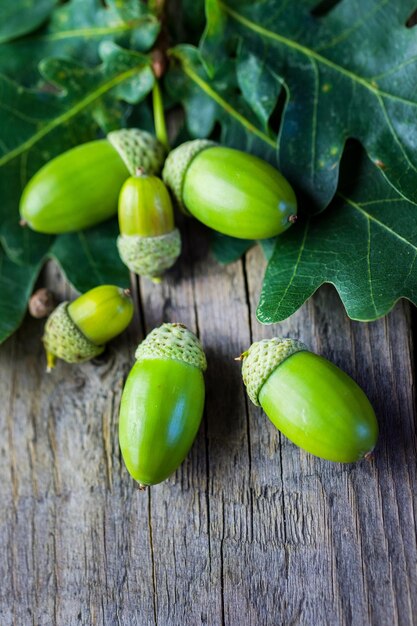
x=310 y=400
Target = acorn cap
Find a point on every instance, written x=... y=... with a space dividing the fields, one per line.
x=173 y=341
x=150 y=256
x=177 y=163
x=138 y=148
x=262 y=358
x=63 y=339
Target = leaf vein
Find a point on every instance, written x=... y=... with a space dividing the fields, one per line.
x=97 y=32
x=360 y=22
x=359 y=208
x=225 y=105
x=308 y=52
x=369 y=269
x=314 y=119
x=72 y=112
x=296 y=265
x=394 y=134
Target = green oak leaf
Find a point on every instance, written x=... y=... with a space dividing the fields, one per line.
x=22 y=16
x=90 y=257
x=22 y=245
x=16 y=284
x=75 y=31
x=37 y=125
x=346 y=74
x=365 y=244
x=208 y=101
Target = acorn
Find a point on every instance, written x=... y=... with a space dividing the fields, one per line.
x=78 y=331
x=162 y=403
x=230 y=191
x=42 y=302
x=80 y=187
x=310 y=400
x=148 y=243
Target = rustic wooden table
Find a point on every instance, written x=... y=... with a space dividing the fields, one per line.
x=250 y=530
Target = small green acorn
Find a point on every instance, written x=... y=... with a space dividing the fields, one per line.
x=230 y=191
x=148 y=243
x=310 y=400
x=162 y=403
x=80 y=187
x=77 y=331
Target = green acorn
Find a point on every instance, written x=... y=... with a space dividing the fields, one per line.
x=80 y=187
x=230 y=191
x=310 y=400
x=77 y=331
x=162 y=403
x=148 y=243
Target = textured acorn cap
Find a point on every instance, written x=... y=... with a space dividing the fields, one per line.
x=63 y=339
x=262 y=358
x=177 y=163
x=150 y=256
x=138 y=148
x=173 y=341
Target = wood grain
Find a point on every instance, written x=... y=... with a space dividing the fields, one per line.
x=250 y=530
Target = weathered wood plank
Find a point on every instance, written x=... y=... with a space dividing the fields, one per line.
x=345 y=526
x=250 y=530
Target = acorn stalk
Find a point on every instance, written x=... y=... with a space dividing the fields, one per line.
x=159 y=116
x=78 y=331
x=80 y=187
x=148 y=243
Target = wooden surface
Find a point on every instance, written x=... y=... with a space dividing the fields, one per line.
x=250 y=530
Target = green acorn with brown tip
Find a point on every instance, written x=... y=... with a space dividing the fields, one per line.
x=80 y=187
x=310 y=400
x=148 y=243
x=230 y=191
x=78 y=331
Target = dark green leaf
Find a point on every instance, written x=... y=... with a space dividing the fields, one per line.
x=22 y=16
x=209 y=101
x=268 y=247
x=16 y=283
x=229 y=249
x=76 y=30
x=348 y=73
x=90 y=258
x=365 y=244
x=35 y=126
x=21 y=244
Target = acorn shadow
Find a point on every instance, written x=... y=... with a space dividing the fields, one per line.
x=225 y=409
